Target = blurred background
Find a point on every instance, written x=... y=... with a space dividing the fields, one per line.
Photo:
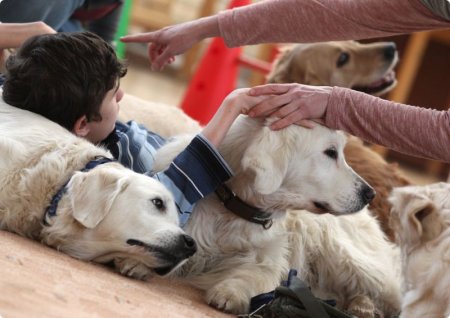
x=423 y=72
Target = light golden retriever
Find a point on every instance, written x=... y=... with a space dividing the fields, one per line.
x=421 y=220
x=364 y=67
x=346 y=258
x=105 y=213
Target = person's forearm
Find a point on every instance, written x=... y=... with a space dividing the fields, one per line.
x=12 y=35
x=218 y=126
x=324 y=20
x=411 y=130
x=208 y=27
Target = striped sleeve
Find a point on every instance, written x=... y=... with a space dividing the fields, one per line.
x=193 y=174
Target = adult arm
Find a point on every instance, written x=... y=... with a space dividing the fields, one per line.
x=324 y=20
x=12 y=35
x=408 y=129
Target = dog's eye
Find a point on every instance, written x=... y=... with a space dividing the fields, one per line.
x=158 y=203
x=342 y=59
x=331 y=152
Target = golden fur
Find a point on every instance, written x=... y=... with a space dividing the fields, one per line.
x=316 y=64
x=421 y=220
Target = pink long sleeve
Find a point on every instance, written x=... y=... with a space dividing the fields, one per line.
x=323 y=20
x=408 y=129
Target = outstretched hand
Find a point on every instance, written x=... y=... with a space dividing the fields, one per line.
x=173 y=40
x=292 y=103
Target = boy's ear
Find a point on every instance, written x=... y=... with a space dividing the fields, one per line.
x=81 y=127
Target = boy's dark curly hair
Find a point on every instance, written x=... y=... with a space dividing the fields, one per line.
x=62 y=76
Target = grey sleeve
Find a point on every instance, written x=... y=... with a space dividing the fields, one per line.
x=438 y=7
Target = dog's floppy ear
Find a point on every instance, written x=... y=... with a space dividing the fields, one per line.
x=92 y=195
x=268 y=157
x=418 y=216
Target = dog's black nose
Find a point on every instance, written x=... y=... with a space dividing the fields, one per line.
x=190 y=244
x=389 y=51
x=367 y=194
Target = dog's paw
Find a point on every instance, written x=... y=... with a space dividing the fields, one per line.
x=362 y=307
x=229 y=298
x=132 y=268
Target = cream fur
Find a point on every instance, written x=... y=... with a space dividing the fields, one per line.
x=421 y=219
x=102 y=209
x=345 y=257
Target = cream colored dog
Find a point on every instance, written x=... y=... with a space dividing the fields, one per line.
x=106 y=213
x=346 y=258
x=421 y=219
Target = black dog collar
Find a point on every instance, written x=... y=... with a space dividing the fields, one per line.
x=235 y=204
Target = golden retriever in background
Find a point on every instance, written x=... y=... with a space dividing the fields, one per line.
x=421 y=220
x=363 y=67
x=106 y=213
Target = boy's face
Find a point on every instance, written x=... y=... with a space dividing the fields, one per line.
x=99 y=130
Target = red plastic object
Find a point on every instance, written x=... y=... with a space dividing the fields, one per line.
x=214 y=79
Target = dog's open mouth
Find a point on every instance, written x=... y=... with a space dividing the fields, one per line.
x=321 y=207
x=383 y=85
x=169 y=258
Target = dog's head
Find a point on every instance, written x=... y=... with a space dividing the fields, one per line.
x=294 y=168
x=111 y=212
x=420 y=213
x=363 y=67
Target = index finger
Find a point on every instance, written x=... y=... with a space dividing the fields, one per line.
x=139 y=38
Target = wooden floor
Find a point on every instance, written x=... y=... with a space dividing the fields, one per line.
x=37 y=281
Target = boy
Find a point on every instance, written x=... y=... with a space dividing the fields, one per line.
x=73 y=80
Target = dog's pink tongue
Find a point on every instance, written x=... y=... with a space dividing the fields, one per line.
x=390 y=77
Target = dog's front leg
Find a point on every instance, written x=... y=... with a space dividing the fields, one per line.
x=132 y=268
x=233 y=293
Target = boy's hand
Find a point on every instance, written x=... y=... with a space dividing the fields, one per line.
x=240 y=101
x=236 y=103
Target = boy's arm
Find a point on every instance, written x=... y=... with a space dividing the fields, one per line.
x=236 y=103
x=199 y=169
x=193 y=174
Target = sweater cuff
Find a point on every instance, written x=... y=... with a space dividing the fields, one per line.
x=203 y=166
x=333 y=108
